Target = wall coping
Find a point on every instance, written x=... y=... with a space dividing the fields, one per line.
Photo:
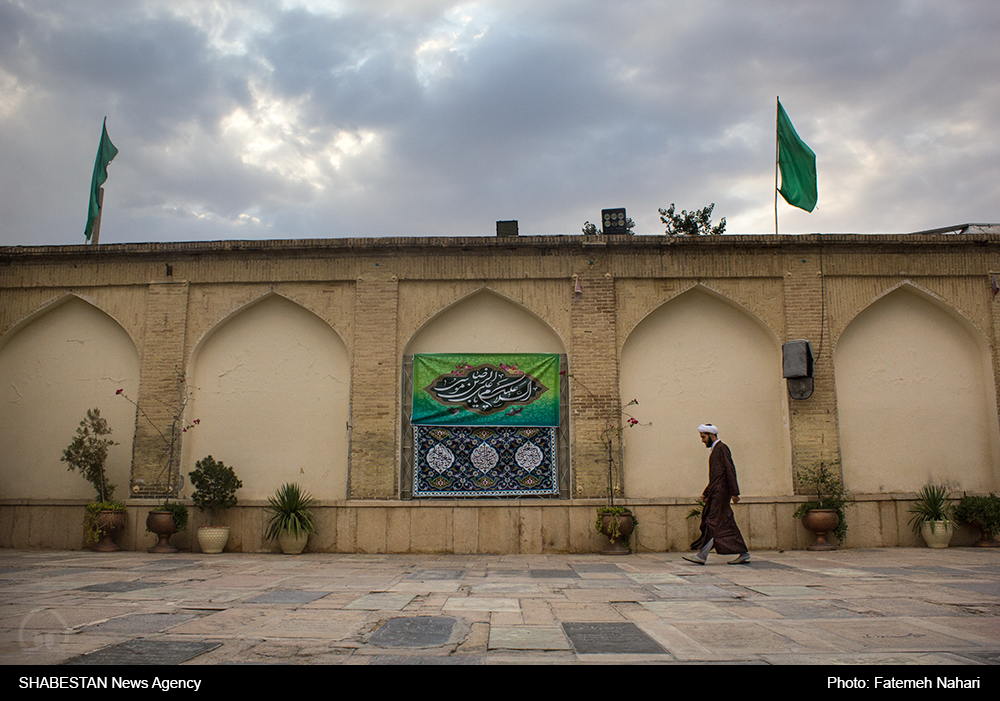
x=969 y=234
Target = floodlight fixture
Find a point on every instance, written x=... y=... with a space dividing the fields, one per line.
x=613 y=221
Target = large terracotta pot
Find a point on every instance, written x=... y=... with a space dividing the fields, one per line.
x=985 y=539
x=821 y=522
x=161 y=523
x=109 y=523
x=626 y=524
x=213 y=539
x=937 y=534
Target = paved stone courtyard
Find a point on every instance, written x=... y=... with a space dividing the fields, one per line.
x=879 y=606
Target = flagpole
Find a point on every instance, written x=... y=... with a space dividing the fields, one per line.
x=96 y=236
x=777 y=101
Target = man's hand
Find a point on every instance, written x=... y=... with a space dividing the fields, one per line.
x=736 y=500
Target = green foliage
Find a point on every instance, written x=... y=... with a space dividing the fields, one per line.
x=594 y=230
x=616 y=533
x=696 y=223
x=696 y=510
x=215 y=486
x=89 y=452
x=932 y=505
x=980 y=511
x=178 y=511
x=830 y=494
x=94 y=530
x=290 y=510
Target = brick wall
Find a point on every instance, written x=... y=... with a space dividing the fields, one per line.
x=376 y=293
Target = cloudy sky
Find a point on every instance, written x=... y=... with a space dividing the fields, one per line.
x=316 y=119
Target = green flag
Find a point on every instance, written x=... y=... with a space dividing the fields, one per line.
x=797 y=163
x=106 y=153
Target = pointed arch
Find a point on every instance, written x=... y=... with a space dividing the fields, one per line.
x=244 y=306
x=702 y=358
x=270 y=388
x=922 y=292
x=915 y=397
x=55 y=364
x=488 y=322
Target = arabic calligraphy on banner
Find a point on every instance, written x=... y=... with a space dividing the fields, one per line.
x=503 y=389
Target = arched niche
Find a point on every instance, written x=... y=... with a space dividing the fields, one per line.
x=54 y=366
x=270 y=389
x=485 y=322
x=700 y=358
x=915 y=398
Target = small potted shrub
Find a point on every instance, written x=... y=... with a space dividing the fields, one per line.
x=982 y=513
x=291 y=519
x=932 y=516
x=825 y=513
x=87 y=454
x=215 y=487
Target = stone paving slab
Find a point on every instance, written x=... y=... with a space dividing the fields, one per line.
x=414 y=632
x=330 y=625
x=898 y=634
x=120 y=587
x=785 y=590
x=231 y=622
x=145 y=652
x=481 y=603
x=688 y=610
x=735 y=636
x=287 y=596
x=435 y=574
x=527 y=638
x=380 y=602
x=613 y=638
x=141 y=623
x=694 y=591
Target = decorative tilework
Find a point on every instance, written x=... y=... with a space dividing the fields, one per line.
x=487 y=461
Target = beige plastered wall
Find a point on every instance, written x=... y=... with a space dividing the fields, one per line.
x=691 y=328
x=60 y=361
x=915 y=398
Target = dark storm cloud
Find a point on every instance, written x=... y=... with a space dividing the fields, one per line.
x=254 y=120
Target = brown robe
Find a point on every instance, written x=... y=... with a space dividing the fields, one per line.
x=717 y=520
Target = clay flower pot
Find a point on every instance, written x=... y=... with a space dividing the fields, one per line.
x=821 y=522
x=109 y=523
x=161 y=524
x=617 y=527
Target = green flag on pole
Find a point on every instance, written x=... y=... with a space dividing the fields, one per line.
x=106 y=153
x=797 y=163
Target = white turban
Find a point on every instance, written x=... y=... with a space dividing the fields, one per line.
x=708 y=428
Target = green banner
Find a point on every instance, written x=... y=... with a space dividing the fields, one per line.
x=485 y=389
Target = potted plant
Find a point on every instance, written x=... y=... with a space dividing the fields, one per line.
x=614 y=521
x=932 y=516
x=825 y=513
x=982 y=513
x=166 y=519
x=88 y=454
x=291 y=518
x=617 y=523
x=215 y=487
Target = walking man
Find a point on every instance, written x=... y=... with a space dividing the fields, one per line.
x=718 y=525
